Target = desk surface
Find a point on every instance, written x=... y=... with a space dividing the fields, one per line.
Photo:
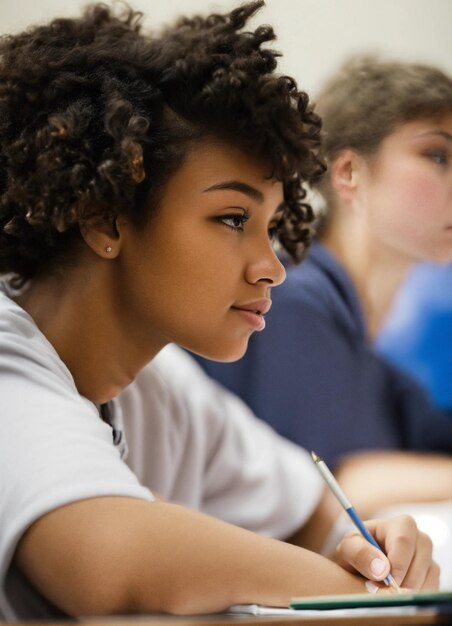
x=424 y=618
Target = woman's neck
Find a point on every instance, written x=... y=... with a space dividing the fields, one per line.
x=78 y=317
x=375 y=270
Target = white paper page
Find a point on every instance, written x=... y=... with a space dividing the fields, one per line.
x=257 y=609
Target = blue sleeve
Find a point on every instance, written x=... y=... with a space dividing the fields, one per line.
x=320 y=385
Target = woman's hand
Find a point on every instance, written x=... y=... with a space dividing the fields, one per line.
x=408 y=554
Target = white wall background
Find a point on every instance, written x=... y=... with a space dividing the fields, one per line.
x=313 y=35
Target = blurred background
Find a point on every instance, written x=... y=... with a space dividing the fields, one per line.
x=315 y=36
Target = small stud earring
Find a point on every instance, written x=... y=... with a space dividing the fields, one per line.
x=108 y=249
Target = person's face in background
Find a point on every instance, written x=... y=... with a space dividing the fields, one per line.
x=199 y=274
x=405 y=190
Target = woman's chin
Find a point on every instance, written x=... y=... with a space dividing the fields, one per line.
x=225 y=354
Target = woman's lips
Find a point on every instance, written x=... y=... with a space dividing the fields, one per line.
x=253 y=312
x=256 y=320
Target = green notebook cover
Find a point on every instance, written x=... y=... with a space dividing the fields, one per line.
x=363 y=600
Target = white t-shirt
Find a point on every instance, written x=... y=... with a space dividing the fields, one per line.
x=188 y=439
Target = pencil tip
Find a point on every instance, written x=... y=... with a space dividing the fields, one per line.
x=315 y=456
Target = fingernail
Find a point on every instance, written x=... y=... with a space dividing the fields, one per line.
x=371 y=587
x=377 y=567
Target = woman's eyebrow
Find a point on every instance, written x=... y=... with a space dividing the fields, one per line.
x=236 y=185
x=441 y=133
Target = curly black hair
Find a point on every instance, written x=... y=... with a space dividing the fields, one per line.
x=95 y=116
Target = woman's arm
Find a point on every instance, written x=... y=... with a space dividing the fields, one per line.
x=119 y=555
x=376 y=480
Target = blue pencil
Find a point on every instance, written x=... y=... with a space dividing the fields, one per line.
x=350 y=509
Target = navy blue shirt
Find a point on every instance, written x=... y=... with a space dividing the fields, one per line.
x=313 y=375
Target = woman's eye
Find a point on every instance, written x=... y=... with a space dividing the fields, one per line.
x=235 y=222
x=439 y=156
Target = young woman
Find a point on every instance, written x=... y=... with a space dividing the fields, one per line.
x=314 y=375
x=142 y=182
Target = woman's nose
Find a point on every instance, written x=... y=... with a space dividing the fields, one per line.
x=268 y=268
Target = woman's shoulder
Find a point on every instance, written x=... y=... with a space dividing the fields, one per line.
x=173 y=377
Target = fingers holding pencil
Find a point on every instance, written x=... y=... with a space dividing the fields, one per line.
x=409 y=551
x=409 y=554
x=376 y=563
x=355 y=554
x=392 y=549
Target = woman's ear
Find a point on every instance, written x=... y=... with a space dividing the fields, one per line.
x=102 y=237
x=344 y=174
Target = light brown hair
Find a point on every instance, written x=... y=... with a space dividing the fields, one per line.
x=368 y=98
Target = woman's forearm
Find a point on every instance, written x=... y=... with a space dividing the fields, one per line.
x=377 y=480
x=160 y=557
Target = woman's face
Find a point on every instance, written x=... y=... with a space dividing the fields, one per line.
x=200 y=273
x=405 y=192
